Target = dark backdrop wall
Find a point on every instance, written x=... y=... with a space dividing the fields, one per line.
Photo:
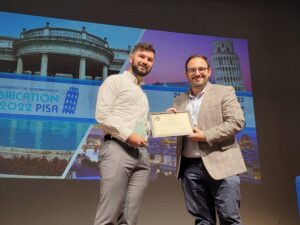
x=273 y=31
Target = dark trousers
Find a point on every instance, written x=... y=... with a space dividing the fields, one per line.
x=205 y=196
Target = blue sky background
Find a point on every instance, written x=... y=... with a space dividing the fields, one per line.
x=12 y=24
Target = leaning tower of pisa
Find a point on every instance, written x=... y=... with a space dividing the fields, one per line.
x=226 y=65
x=71 y=101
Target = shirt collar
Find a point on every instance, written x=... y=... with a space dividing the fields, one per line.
x=132 y=77
x=191 y=96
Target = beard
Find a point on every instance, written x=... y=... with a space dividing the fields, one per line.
x=138 y=72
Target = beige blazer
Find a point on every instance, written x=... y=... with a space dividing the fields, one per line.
x=220 y=118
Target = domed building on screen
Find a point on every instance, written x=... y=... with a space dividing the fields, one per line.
x=60 y=52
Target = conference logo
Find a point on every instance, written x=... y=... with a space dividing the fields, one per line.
x=70 y=102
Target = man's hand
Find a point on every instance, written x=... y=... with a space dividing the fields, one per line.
x=173 y=110
x=136 y=140
x=198 y=135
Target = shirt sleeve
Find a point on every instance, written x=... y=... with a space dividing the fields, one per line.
x=107 y=95
x=233 y=119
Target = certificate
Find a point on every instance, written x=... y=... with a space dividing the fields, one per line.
x=166 y=124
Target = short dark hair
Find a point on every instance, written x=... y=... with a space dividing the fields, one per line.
x=196 y=56
x=143 y=46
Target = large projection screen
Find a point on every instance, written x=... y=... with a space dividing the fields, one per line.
x=50 y=71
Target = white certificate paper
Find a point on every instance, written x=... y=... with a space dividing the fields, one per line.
x=167 y=124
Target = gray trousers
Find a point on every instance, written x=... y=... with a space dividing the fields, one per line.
x=122 y=185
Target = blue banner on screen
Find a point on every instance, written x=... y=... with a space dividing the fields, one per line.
x=50 y=71
x=46 y=97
